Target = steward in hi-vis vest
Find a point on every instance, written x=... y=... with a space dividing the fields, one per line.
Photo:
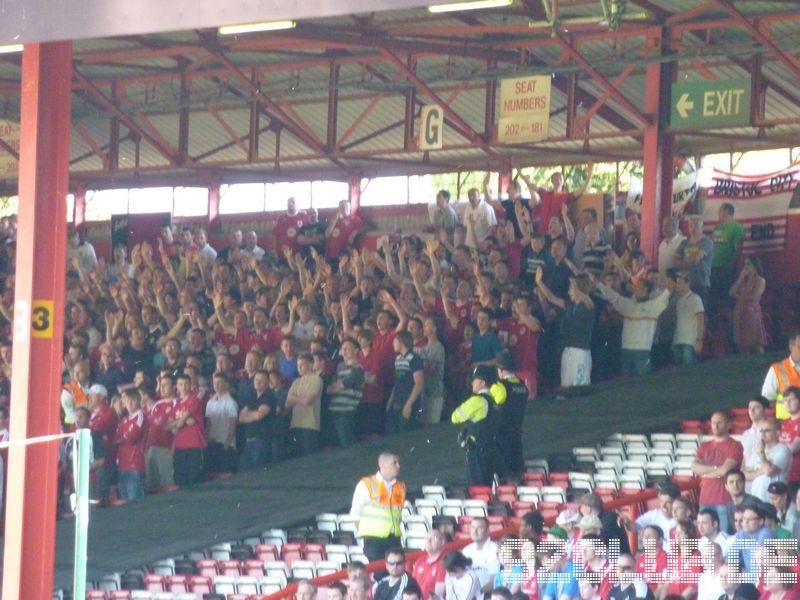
x=479 y=415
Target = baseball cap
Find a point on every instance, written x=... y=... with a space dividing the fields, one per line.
x=98 y=388
x=590 y=522
x=778 y=487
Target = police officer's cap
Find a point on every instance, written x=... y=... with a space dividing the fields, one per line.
x=505 y=361
x=485 y=372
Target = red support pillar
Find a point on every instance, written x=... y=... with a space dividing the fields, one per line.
x=38 y=320
x=657 y=155
x=354 y=191
x=79 y=210
x=504 y=177
x=213 y=203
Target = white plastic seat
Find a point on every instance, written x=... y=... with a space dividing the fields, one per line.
x=347 y=523
x=631 y=481
x=303 y=569
x=452 y=508
x=615 y=439
x=225 y=584
x=586 y=453
x=529 y=493
x=537 y=465
x=662 y=440
x=110 y=583
x=327 y=522
x=414 y=541
x=247 y=585
x=581 y=481
x=606 y=479
x=551 y=493
x=268 y=585
x=277 y=537
x=337 y=553
x=636 y=440
x=416 y=524
x=276 y=568
x=426 y=507
x=327 y=567
x=221 y=551
x=164 y=567
x=687 y=440
x=434 y=492
x=475 y=508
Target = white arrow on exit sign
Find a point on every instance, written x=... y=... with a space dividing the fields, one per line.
x=684 y=105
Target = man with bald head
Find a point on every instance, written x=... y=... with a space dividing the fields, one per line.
x=378 y=505
x=429 y=570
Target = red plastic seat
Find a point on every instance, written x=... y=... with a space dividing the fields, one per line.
x=230 y=567
x=177 y=584
x=253 y=568
x=207 y=567
x=692 y=426
x=480 y=492
x=534 y=478
x=96 y=595
x=120 y=595
x=506 y=493
x=154 y=583
x=200 y=584
x=314 y=552
x=266 y=552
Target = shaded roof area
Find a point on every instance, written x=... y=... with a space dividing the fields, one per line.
x=340 y=95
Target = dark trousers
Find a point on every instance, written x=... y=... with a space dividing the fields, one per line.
x=478 y=464
x=188 y=466
x=375 y=548
x=220 y=460
x=369 y=418
x=305 y=441
x=344 y=426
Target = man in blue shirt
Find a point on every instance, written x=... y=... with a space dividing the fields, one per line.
x=745 y=544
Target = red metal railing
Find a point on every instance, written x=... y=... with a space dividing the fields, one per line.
x=631 y=501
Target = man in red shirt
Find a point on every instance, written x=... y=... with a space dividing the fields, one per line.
x=790 y=431
x=429 y=570
x=131 y=435
x=190 y=438
x=158 y=457
x=713 y=460
x=342 y=231
x=287 y=227
x=103 y=421
x=521 y=334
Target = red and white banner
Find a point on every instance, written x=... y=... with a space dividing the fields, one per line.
x=761 y=203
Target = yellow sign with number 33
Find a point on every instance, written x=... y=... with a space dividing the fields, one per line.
x=42 y=319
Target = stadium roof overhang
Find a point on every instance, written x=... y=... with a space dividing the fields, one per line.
x=341 y=95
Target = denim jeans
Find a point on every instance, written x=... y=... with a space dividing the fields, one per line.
x=131 y=485
x=254 y=455
x=683 y=354
x=635 y=362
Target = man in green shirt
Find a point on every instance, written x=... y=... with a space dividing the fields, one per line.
x=728 y=236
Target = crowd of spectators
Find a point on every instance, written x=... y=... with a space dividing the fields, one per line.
x=735 y=536
x=187 y=360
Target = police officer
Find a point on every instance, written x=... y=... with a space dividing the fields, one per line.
x=479 y=416
x=510 y=395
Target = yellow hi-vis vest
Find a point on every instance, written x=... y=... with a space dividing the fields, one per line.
x=381 y=516
x=787 y=377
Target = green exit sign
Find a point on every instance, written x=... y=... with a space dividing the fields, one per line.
x=710 y=104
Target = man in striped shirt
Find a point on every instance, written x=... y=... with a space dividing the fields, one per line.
x=345 y=393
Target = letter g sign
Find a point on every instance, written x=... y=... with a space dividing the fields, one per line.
x=431 y=131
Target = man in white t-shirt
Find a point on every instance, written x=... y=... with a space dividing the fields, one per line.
x=687 y=342
x=479 y=218
x=756 y=409
x=709 y=584
x=774 y=460
x=708 y=526
x=661 y=516
x=668 y=248
x=483 y=553
x=222 y=415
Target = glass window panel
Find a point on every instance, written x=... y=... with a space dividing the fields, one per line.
x=150 y=200
x=383 y=191
x=328 y=194
x=101 y=204
x=421 y=189
x=280 y=192
x=190 y=202
x=70 y=207
x=241 y=198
